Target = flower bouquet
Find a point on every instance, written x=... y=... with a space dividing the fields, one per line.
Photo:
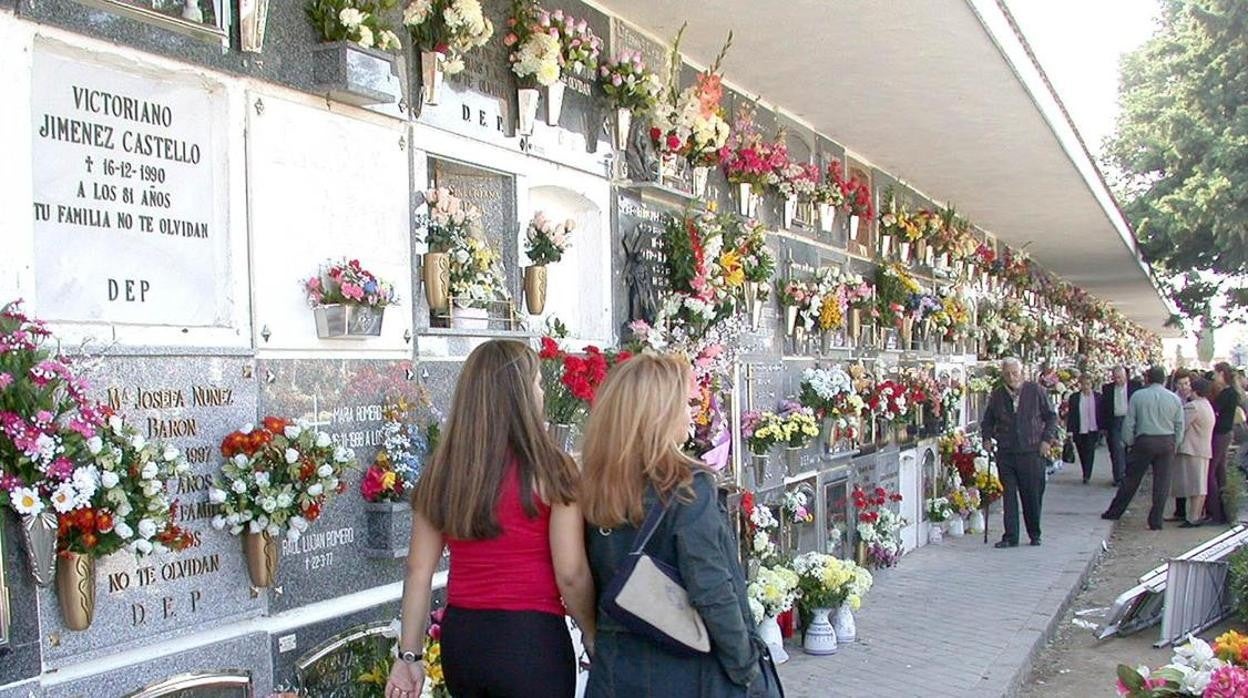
x=357 y=21
x=772 y=592
x=830 y=392
x=797 y=183
x=571 y=383
x=894 y=287
x=476 y=281
x=760 y=523
x=405 y=444
x=826 y=585
x=448 y=224
x=275 y=481
x=859 y=203
x=796 y=507
x=762 y=431
x=830 y=195
x=1196 y=669
x=938 y=510
x=693 y=245
x=578 y=55
x=879 y=528
x=689 y=124
x=432 y=656
x=796 y=297
x=800 y=428
x=745 y=249
x=545 y=242
x=631 y=88
x=443 y=31
x=536 y=58
x=348 y=300
x=751 y=162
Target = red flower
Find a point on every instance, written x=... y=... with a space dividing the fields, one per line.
x=274 y=425
x=550 y=348
x=673 y=142
x=655 y=134
x=104 y=522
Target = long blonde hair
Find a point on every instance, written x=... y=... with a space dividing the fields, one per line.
x=633 y=439
x=495 y=417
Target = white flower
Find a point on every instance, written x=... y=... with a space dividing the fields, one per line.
x=315 y=490
x=149 y=471
x=273 y=530
x=138 y=442
x=121 y=528
x=236 y=530
x=94 y=445
x=254 y=527
x=365 y=36
x=285 y=499
x=240 y=460
x=268 y=504
x=293 y=535
x=239 y=486
x=218 y=523
x=298 y=523
x=388 y=41
x=292 y=456
x=63 y=497
x=123 y=508
x=233 y=519
x=756 y=610
x=351 y=17
x=170 y=453
x=262 y=479
x=216 y=496
x=159 y=548
x=323 y=440
x=342 y=455
x=25 y=501
x=152 y=487
x=181 y=467
x=140 y=546
x=293 y=431
x=417 y=12
x=109 y=479
x=114 y=423
x=325 y=470
x=147 y=528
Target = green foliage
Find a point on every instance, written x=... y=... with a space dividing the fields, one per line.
x=367 y=28
x=1232 y=492
x=1181 y=153
x=1237 y=579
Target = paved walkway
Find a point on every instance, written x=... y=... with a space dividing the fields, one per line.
x=962 y=618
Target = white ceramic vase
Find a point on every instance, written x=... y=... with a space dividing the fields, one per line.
x=957 y=527
x=844 y=625
x=769 y=631
x=975 y=524
x=820 y=637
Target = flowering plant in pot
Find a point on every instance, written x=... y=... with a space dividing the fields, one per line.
x=630 y=88
x=443 y=31
x=545 y=242
x=276 y=480
x=46 y=420
x=828 y=584
x=355 y=64
x=830 y=195
x=1196 y=669
x=348 y=300
x=750 y=161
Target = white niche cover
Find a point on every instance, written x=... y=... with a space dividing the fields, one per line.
x=578 y=287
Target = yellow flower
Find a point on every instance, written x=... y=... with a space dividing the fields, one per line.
x=387 y=480
x=730 y=263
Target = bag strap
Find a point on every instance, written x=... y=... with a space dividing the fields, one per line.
x=649 y=526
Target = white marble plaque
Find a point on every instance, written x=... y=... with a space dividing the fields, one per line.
x=129 y=227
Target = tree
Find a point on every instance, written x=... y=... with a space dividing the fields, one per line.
x=1180 y=154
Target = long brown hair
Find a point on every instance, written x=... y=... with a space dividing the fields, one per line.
x=495 y=417
x=633 y=439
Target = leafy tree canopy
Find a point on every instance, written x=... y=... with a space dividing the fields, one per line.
x=1180 y=154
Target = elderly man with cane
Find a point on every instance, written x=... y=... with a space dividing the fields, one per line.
x=1021 y=420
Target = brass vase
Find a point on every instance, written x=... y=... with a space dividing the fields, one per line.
x=75 y=589
x=436 y=272
x=535 y=288
x=260 y=549
x=860 y=553
x=759 y=463
x=853 y=326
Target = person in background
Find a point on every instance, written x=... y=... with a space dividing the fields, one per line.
x=1153 y=428
x=632 y=462
x=1225 y=402
x=1115 y=396
x=1191 y=472
x=1239 y=432
x=1021 y=420
x=502 y=497
x=1083 y=423
x=1184 y=391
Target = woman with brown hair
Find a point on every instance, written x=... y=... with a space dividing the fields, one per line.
x=632 y=460
x=501 y=497
x=1225 y=402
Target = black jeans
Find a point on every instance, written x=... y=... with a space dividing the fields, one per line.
x=507 y=654
x=1022 y=474
x=1157 y=453
x=1117 y=449
x=1085 y=444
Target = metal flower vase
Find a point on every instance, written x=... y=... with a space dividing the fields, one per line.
x=753 y=306
x=844 y=625
x=436 y=273
x=535 y=288
x=431 y=76
x=348 y=321
x=827 y=216
x=75 y=589
x=563 y=435
x=623 y=123
x=903 y=251
x=351 y=73
x=700 y=176
x=790 y=211
x=39 y=532
x=528 y=99
x=886 y=243
x=854 y=220
x=554 y=102
x=759 y=463
x=820 y=637
x=747 y=201
x=260 y=551
x=792 y=460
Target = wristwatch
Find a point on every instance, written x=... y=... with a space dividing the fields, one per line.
x=409 y=657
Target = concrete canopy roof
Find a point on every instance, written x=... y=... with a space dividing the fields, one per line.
x=944 y=95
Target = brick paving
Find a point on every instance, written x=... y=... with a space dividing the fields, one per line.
x=962 y=618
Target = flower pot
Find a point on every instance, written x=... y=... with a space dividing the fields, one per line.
x=920 y=251
x=746 y=200
x=562 y=434
x=348 y=321
x=790 y=211
x=350 y=73
x=260 y=550
x=793 y=460
x=827 y=216
x=623 y=122
x=844 y=625
x=535 y=288
x=463 y=318
x=820 y=637
x=39 y=533
x=907 y=332
x=831 y=434
x=853 y=325
x=75 y=589
x=886 y=245
x=975 y=522
x=700 y=175
x=436 y=272
x=825 y=341
x=853 y=227
x=935 y=533
x=387 y=529
x=431 y=76
x=903 y=251
x=554 y=102
x=769 y=632
x=942 y=261
x=527 y=97
x=790 y=319
x=957 y=527
x=860 y=553
x=759 y=462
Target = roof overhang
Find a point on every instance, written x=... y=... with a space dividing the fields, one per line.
x=945 y=96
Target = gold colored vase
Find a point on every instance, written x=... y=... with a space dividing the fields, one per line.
x=75 y=589
x=260 y=549
x=437 y=277
x=535 y=288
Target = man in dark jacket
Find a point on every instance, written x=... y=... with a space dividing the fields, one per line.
x=1021 y=420
x=1115 y=396
x=1083 y=415
x=1153 y=429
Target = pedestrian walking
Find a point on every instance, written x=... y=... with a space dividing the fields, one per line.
x=1152 y=430
x=1191 y=472
x=1021 y=420
x=1115 y=396
x=1225 y=402
x=1083 y=416
x=501 y=496
x=633 y=472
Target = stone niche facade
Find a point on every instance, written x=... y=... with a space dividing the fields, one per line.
x=182 y=273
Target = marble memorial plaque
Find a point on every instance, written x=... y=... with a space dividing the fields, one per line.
x=333 y=669
x=345 y=399
x=640 y=257
x=190 y=403
x=19 y=658
x=836 y=517
x=495 y=194
x=129 y=204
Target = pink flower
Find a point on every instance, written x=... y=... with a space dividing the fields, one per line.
x=5 y=380
x=353 y=292
x=1228 y=682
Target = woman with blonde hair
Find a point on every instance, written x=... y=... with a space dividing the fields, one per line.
x=503 y=498
x=631 y=462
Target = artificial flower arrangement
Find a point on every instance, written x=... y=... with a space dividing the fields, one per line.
x=938 y=510
x=448 y=28
x=579 y=46
x=347 y=282
x=858 y=202
x=745 y=259
x=628 y=84
x=536 y=53
x=798 y=424
x=762 y=431
x=749 y=159
x=772 y=592
x=693 y=244
x=690 y=123
x=405 y=444
x=796 y=507
x=953 y=318
x=546 y=240
x=948 y=397
x=277 y=478
x=476 y=275
x=879 y=528
x=449 y=220
x=796 y=180
x=826 y=581
x=571 y=381
x=832 y=191
x=894 y=287
x=1196 y=669
x=830 y=392
x=892 y=401
x=963 y=501
x=964 y=454
x=797 y=298
x=359 y=21
x=760 y=524
x=953 y=238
